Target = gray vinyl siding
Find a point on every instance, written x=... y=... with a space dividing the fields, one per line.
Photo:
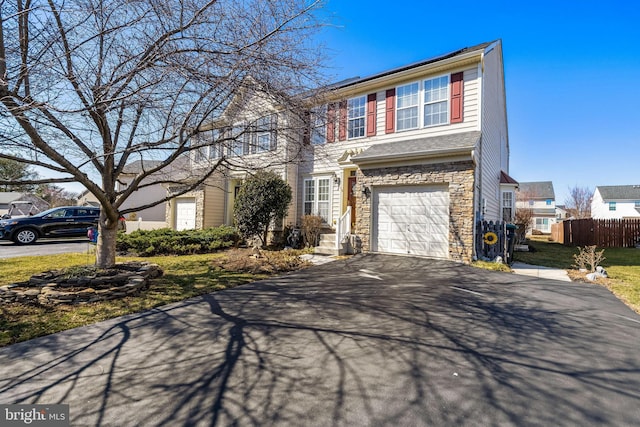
x=494 y=144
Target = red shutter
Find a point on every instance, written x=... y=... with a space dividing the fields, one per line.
x=457 y=89
x=331 y=123
x=342 y=121
x=390 y=112
x=371 y=114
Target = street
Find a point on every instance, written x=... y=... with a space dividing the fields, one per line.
x=9 y=249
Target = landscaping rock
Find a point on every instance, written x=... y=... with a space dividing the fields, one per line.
x=52 y=288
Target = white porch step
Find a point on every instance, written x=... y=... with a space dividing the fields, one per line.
x=327 y=245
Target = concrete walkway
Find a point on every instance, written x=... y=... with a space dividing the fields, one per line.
x=540 y=272
x=317 y=259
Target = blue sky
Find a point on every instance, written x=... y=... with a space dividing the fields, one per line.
x=572 y=71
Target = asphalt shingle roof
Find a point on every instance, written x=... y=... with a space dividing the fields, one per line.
x=538 y=190
x=619 y=192
x=441 y=144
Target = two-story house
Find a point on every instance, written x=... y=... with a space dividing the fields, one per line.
x=540 y=198
x=616 y=202
x=407 y=160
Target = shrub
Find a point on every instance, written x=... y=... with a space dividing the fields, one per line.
x=311 y=226
x=263 y=199
x=588 y=258
x=166 y=241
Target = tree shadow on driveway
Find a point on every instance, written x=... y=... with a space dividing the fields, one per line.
x=373 y=340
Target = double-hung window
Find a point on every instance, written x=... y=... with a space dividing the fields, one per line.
x=356 y=110
x=214 y=148
x=200 y=143
x=265 y=134
x=431 y=95
x=317 y=197
x=507 y=206
x=318 y=124
x=407 y=106
x=612 y=206
x=436 y=101
x=238 y=143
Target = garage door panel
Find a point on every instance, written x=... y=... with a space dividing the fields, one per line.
x=411 y=220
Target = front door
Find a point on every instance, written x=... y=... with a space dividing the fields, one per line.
x=351 y=198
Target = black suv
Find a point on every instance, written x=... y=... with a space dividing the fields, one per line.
x=65 y=221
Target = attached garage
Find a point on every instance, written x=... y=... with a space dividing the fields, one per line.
x=185 y=214
x=411 y=220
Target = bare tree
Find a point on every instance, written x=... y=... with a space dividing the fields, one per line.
x=578 y=203
x=524 y=214
x=87 y=86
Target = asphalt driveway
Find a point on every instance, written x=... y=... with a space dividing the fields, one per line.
x=372 y=340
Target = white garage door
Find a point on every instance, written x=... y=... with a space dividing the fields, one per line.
x=411 y=220
x=185 y=214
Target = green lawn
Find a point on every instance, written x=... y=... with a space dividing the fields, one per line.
x=622 y=265
x=184 y=277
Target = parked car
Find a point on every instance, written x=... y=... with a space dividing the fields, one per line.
x=66 y=221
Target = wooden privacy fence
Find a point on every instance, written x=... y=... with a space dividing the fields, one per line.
x=604 y=233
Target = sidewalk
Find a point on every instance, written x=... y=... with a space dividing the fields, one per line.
x=541 y=272
x=317 y=259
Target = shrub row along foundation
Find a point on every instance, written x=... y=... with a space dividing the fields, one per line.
x=60 y=287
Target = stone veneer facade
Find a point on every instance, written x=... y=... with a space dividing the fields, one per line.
x=459 y=176
x=198 y=196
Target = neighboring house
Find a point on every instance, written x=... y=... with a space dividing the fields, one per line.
x=29 y=203
x=561 y=213
x=6 y=197
x=407 y=160
x=541 y=199
x=616 y=202
x=86 y=198
x=147 y=193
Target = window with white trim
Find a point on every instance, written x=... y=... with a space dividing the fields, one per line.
x=407 y=106
x=436 y=101
x=214 y=148
x=238 y=144
x=612 y=206
x=200 y=143
x=542 y=223
x=356 y=110
x=317 y=197
x=318 y=123
x=265 y=134
x=507 y=206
